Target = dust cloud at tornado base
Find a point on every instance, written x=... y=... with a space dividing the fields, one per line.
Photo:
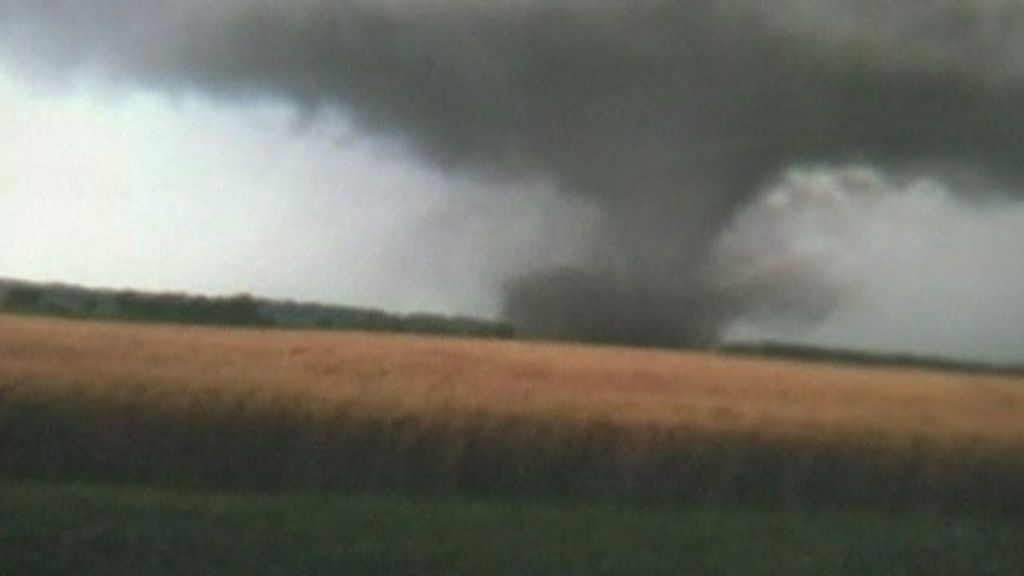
x=711 y=143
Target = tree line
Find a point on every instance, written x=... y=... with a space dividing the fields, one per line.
x=235 y=310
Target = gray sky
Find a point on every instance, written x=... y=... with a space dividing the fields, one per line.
x=880 y=264
x=664 y=171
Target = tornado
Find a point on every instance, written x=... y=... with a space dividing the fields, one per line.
x=670 y=118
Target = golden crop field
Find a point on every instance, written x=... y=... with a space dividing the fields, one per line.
x=330 y=409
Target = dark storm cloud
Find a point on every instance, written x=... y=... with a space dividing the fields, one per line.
x=666 y=115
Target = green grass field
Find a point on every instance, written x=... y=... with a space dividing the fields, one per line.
x=85 y=529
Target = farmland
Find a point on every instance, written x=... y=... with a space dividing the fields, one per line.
x=101 y=530
x=432 y=419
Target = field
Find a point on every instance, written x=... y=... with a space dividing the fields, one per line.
x=586 y=434
x=108 y=531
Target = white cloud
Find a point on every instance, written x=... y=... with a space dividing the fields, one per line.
x=909 y=267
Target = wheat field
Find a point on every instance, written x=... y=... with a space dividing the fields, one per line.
x=333 y=410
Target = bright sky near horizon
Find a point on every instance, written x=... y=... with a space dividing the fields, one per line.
x=138 y=189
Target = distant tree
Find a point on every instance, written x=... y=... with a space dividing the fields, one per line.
x=89 y=304
x=24 y=298
x=240 y=310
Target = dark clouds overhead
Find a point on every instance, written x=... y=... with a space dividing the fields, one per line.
x=667 y=116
